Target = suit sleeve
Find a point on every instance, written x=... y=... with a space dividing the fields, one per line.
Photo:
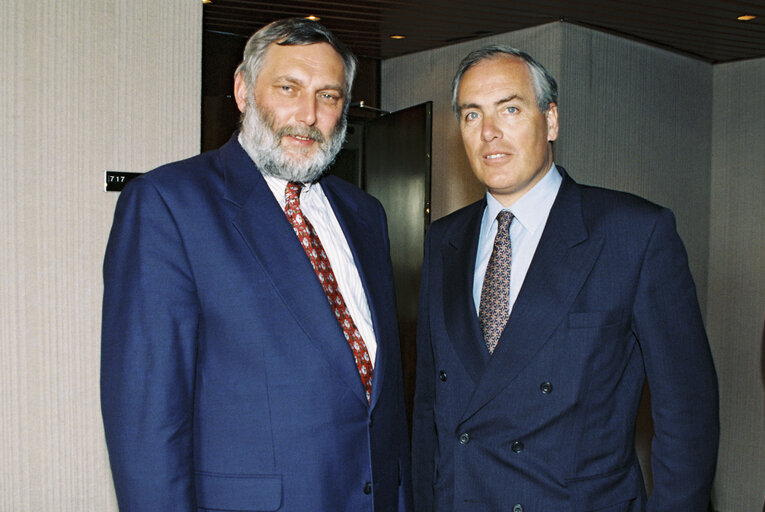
x=150 y=319
x=681 y=374
x=424 y=438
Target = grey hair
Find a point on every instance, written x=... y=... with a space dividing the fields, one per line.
x=293 y=32
x=545 y=86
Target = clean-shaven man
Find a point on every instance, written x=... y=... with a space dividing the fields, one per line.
x=545 y=307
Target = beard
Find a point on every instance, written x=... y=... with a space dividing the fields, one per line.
x=261 y=140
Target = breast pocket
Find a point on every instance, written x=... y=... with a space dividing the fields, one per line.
x=238 y=493
x=596 y=319
x=599 y=346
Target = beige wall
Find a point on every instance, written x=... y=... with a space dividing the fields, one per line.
x=638 y=118
x=736 y=311
x=632 y=122
x=86 y=86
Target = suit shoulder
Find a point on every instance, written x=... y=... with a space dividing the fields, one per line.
x=199 y=173
x=458 y=218
x=602 y=203
x=196 y=168
x=616 y=214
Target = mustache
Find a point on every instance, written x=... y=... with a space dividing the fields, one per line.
x=309 y=132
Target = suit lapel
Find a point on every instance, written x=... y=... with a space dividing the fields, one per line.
x=264 y=227
x=368 y=257
x=459 y=253
x=563 y=260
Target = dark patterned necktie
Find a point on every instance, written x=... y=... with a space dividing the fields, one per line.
x=495 y=294
x=315 y=251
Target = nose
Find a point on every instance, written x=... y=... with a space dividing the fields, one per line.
x=306 y=112
x=489 y=130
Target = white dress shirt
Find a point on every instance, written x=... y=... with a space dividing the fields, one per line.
x=316 y=208
x=530 y=212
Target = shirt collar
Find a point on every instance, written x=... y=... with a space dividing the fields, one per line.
x=533 y=208
x=278 y=185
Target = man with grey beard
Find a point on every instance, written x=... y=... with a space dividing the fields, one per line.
x=250 y=353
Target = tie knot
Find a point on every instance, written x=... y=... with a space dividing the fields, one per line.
x=504 y=218
x=292 y=192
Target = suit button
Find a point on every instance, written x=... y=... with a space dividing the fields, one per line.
x=517 y=447
x=368 y=488
x=546 y=388
x=518 y=508
x=442 y=376
x=464 y=438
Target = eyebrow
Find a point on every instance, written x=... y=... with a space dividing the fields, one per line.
x=512 y=97
x=332 y=87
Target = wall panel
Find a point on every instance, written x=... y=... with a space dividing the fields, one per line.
x=736 y=311
x=632 y=122
x=87 y=86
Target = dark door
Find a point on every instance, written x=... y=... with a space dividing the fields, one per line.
x=396 y=158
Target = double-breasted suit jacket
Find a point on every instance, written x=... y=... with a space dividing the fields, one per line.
x=547 y=422
x=227 y=383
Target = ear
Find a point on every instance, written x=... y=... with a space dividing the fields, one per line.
x=552 y=122
x=240 y=91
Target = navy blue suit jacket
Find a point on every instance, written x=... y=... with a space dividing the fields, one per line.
x=226 y=382
x=548 y=422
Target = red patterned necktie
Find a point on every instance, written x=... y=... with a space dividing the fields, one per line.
x=315 y=252
x=495 y=294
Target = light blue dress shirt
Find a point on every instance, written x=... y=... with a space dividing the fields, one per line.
x=530 y=212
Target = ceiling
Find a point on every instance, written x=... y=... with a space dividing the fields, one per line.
x=703 y=29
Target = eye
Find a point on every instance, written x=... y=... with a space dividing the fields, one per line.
x=286 y=89
x=329 y=97
x=510 y=109
x=471 y=116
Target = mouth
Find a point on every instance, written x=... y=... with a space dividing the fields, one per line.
x=299 y=141
x=495 y=156
x=303 y=135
